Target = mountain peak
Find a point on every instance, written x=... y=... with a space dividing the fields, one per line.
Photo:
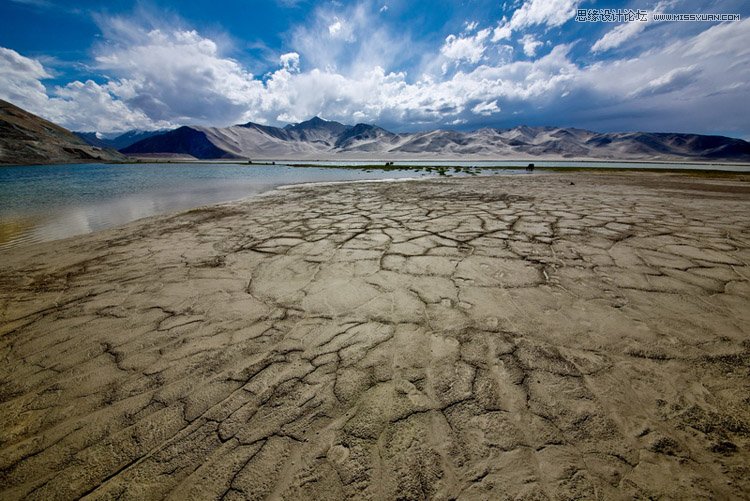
x=315 y=122
x=317 y=129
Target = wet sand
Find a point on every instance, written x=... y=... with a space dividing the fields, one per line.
x=514 y=337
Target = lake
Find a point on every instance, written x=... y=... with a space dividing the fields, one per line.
x=41 y=203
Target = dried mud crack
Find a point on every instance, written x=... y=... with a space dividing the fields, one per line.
x=512 y=337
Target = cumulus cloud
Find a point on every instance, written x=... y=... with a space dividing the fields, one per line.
x=21 y=80
x=290 y=61
x=77 y=105
x=616 y=93
x=546 y=13
x=486 y=109
x=175 y=75
x=502 y=31
x=465 y=48
x=530 y=45
x=543 y=12
x=94 y=107
x=157 y=75
x=179 y=76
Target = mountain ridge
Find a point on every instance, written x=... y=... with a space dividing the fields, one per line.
x=26 y=139
x=320 y=139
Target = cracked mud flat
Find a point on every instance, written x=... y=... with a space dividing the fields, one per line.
x=480 y=338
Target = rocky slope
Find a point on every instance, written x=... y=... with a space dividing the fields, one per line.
x=321 y=139
x=28 y=139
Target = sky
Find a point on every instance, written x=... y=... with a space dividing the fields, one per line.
x=405 y=65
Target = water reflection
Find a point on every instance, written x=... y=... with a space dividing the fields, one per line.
x=14 y=229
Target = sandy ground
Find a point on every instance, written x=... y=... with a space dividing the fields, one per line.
x=513 y=337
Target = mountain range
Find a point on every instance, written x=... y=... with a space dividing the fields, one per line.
x=28 y=139
x=324 y=139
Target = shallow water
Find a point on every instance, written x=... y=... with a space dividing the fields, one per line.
x=47 y=202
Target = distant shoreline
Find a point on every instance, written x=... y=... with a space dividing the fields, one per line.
x=380 y=164
x=525 y=161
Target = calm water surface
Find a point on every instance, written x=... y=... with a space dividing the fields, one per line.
x=47 y=202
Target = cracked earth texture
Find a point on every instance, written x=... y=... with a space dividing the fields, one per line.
x=516 y=337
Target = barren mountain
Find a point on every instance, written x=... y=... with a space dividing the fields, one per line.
x=28 y=139
x=322 y=139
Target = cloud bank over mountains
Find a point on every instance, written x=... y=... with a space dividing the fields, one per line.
x=357 y=63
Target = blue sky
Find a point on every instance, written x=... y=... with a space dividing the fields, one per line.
x=404 y=65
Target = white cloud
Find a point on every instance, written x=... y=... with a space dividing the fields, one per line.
x=90 y=106
x=617 y=36
x=290 y=61
x=712 y=53
x=622 y=33
x=502 y=31
x=543 y=12
x=670 y=81
x=175 y=75
x=335 y=28
x=78 y=105
x=167 y=75
x=364 y=39
x=341 y=30
x=549 y=13
x=20 y=82
x=726 y=39
x=465 y=48
x=486 y=109
x=708 y=74
x=530 y=45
